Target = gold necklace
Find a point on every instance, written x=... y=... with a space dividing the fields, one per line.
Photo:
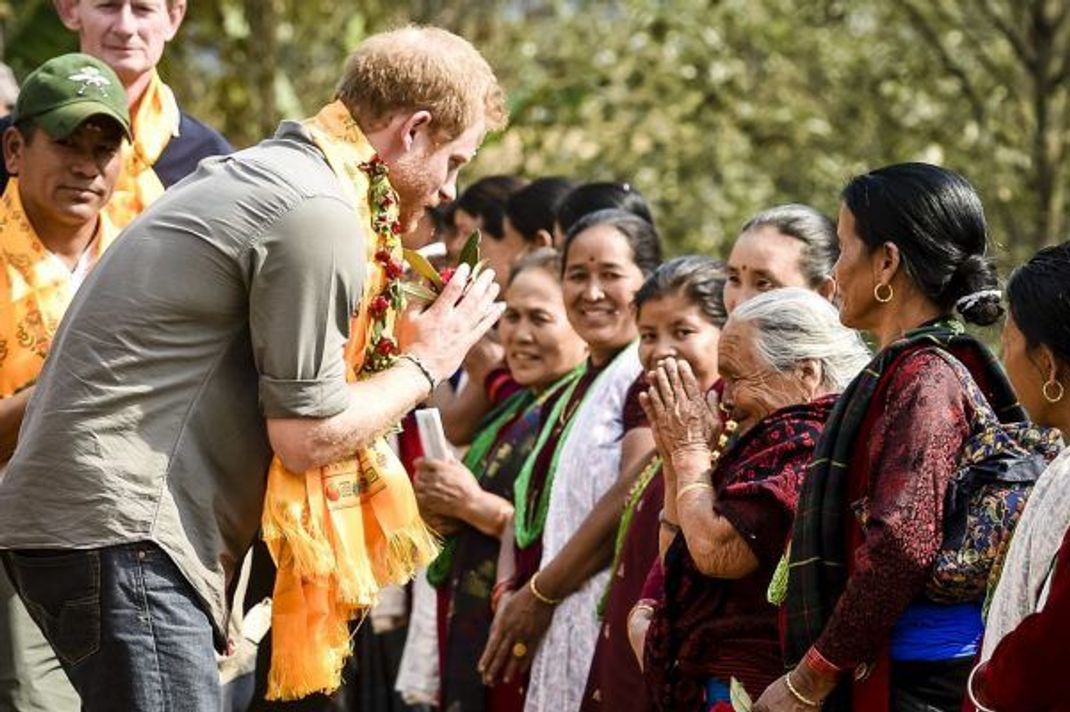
x=730 y=427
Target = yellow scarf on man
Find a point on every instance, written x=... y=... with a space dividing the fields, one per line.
x=35 y=291
x=153 y=124
x=340 y=533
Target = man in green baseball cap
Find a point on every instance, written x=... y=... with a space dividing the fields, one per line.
x=65 y=91
x=63 y=154
x=69 y=123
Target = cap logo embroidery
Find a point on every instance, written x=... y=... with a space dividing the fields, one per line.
x=90 y=76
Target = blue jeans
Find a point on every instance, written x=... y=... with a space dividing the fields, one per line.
x=124 y=623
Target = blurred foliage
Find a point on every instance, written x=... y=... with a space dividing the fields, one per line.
x=714 y=109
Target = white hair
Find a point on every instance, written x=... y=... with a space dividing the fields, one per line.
x=794 y=324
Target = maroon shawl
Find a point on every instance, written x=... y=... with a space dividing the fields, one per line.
x=707 y=627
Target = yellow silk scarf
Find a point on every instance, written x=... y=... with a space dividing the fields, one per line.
x=338 y=534
x=153 y=124
x=35 y=291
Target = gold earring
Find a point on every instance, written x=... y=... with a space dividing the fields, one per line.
x=883 y=299
x=1058 y=387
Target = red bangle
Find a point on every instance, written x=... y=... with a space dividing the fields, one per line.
x=499 y=590
x=493 y=382
x=820 y=665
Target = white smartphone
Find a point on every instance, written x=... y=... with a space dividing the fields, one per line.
x=432 y=437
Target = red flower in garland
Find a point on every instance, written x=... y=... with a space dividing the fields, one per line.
x=722 y=706
x=378 y=306
x=381 y=347
x=386 y=347
x=446 y=273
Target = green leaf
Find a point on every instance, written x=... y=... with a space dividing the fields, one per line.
x=418 y=292
x=470 y=251
x=741 y=701
x=425 y=269
x=476 y=269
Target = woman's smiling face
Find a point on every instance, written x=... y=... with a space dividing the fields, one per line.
x=754 y=389
x=674 y=326
x=540 y=345
x=600 y=282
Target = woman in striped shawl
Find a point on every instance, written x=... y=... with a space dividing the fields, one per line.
x=861 y=633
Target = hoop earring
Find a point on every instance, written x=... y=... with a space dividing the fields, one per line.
x=1058 y=387
x=883 y=299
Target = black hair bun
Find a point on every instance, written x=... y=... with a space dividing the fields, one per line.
x=982 y=308
x=975 y=289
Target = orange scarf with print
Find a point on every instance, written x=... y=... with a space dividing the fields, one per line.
x=35 y=291
x=153 y=124
x=340 y=533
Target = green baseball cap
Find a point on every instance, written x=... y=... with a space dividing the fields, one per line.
x=66 y=90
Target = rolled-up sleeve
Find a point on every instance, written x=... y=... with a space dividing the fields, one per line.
x=307 y=275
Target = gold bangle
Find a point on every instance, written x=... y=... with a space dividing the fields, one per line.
x=969 y=690
x=538 y=594
x=797 y=695
x=693 y=486
x=668 y=523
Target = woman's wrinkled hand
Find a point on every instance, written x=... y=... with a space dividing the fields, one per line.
x=684 y=421
x=519 y=626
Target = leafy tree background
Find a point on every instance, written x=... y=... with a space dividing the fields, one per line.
x=714 y=109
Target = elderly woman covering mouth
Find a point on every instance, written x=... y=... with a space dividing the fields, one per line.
x=783 y=357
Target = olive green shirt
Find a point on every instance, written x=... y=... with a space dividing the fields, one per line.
x=227 y=302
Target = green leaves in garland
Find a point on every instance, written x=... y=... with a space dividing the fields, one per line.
x=470 y=251
x=437 y=279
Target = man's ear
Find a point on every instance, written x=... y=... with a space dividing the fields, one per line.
x=414 y=130
x=68 y=14
x=176 y=12
x=14 y=144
